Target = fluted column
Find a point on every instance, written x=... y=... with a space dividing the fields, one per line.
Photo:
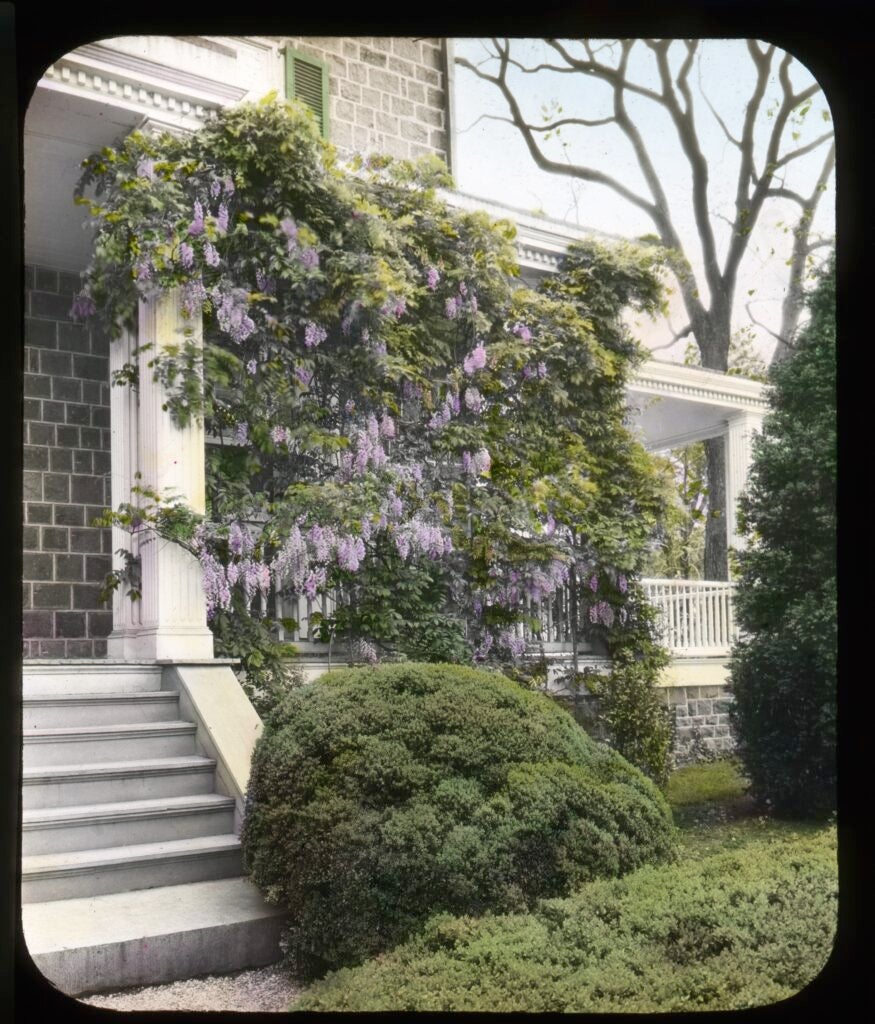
x=739 y=433
x=172 y=613
x=124 y=413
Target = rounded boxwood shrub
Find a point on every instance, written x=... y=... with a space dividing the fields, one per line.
x=379 y=796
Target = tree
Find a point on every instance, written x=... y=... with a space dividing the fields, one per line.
x=410 y=429
x=784 y=664
x=761 y=176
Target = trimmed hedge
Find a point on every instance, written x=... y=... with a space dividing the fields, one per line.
x=379 y=796
x=734 y=930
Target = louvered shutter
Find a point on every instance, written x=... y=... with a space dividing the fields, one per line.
x=307 y=81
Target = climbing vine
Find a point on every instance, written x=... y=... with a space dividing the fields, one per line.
x=405 y=423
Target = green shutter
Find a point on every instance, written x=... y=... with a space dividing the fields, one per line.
x=307 y=81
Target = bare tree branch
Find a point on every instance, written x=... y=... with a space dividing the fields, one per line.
x=793 y=154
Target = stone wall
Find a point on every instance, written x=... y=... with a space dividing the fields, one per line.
x=701 y=718
x=66 y=474
x=386 y=95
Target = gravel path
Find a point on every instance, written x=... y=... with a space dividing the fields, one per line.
x=265 y=990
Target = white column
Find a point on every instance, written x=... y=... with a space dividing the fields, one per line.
x=124 y=413
x=172 y=610
x=739 y=432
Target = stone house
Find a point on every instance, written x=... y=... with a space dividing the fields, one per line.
x=137 y=740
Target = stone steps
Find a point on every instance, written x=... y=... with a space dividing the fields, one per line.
x=92 y=744
x=152 y=935
x=96 y=826
x=46 y=711
x=77 y=873
x=131 y=871
x=114 y=781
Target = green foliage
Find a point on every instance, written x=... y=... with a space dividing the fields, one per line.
x=784 y=664
x=266 y=670
x=379 y=796
x=631 y=707
x=734 y=930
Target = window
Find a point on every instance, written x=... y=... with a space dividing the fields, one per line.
x=307 y=81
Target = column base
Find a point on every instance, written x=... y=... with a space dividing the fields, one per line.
x=161 y=643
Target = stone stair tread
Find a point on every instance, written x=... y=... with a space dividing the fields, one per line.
x=118 y=856
x=126 y=809
x=125 y=916
x=127 y=729
x=99 y=769
x=102 y=697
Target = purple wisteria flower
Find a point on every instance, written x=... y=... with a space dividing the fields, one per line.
x=522 y=331
x=593 y=583
x=485 y=647
x=215 y=188
x=622 y=583
x=264 y=283
x=451 y=308
x=473 y=400
x=481 y=462
x=310 y=258
x=542 y=370
x=280 y=434
x=387 y=426
x=83 y=307
x=144 y=270
x=314 y=334
x=475 y=360
x=228 y=185
x=217 y=591
x=290 y=229
x=550 y=526
x=194 y=295
x=515 y=644
x=251 y=367
x=197 y=225
x=211 y=254
x=241 y=433
x=146 y=169
x=303 y=375
x=350 y=553
x=231 y=314
x=222 y=218
x=528 y=371
x=432 y=277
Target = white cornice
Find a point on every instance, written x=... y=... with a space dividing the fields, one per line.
x=692 y=383
x=135 y=83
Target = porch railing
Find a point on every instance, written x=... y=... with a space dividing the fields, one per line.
x=695 y=616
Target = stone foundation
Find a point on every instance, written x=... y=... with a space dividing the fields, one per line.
x=701 y=721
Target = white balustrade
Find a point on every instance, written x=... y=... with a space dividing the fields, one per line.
x=695 y=615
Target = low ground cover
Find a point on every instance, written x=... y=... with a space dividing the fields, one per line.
x=746 y=917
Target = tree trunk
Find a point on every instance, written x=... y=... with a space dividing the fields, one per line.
x=716 y=556
x=712 y=338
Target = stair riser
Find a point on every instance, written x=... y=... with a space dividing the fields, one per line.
x=174 y=957
x=95 y=750
x=126 y=877
x=154 y=829
x=102 y=791
x=73 y=713
x=72 y=681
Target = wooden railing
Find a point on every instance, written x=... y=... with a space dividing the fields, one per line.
x=695 y=616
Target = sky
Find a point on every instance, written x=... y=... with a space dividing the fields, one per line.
x=491 y=160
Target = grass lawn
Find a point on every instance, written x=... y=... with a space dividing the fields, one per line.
x=746 y=917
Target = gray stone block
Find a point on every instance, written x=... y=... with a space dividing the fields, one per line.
x=32 y=481
x=74 y=338
x=37 y=513
x=69 y=567
x=51 y=595
x=52 y=649
x=70 y=624
x=36 y=624
x=40 y=333
x=87 y=597
x=36 y=566
x=45 y=280
x=60 y=460
x=78 y=414
x=41 y=433
x=91 y=367
x=56 y=487
x=55 y=538
x=82 y=462
x=68 y=436
x=30 y=538
x=96 y=567
x=50 y=306
x=91 y=437
x=86 y=489
x=88 y=540
x=37 y=386
x=99 y=623
x=68 y=515
x=35 y=457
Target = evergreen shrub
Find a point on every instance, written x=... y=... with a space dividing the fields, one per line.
x=784 y=663
x=379 y=796
x=735 y=930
